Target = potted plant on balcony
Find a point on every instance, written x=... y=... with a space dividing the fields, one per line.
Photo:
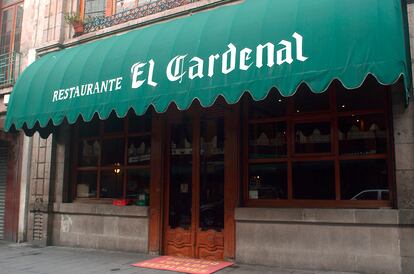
x=76 y=21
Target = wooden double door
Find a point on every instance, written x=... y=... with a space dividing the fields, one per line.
x=197 y=218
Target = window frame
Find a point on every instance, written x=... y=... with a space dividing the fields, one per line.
x=333 y=115
x=99 y=168
x=110 y=8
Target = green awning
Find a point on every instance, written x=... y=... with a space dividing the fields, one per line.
x=249 y=46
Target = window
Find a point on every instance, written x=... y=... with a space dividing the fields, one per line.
x=93 y=8
x=329 y=149
x=11 y=29
x=97 y=8
x=113 y=158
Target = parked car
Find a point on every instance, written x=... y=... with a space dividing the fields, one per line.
x=373 y=194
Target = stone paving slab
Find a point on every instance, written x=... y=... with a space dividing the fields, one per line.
x=25 y=259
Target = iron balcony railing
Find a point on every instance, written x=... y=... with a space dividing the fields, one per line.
x=9 y=68
x=97 y=23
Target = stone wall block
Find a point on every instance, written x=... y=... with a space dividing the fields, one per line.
x=404 y=129
x=94 y=224
x=133 y=244
x=405 y=188
x=39 y=187
x=88 y=241
x=42 y=155
x=404 y=156
x=42 y=142
x=131 y=226
x=111 y=226
x=384 y=241
x=407 y=241
x=40 y=170
x=407 y=265
x=107 y=242
x=378 y=264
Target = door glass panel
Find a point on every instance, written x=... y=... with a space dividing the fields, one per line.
x=212 y=174
x=181 y=175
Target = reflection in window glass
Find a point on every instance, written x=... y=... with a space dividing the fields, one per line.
x=138 y=181
x=88 y=154
x=212 y=174
x=139 y=150
x=86 y=185
x=123 y=5
x=273 y=106
x=313 y=137
x=112 y=152
x=267 y=140
x=181 y=176
x=370 y=95
x=363 y=176
x=307 y=101
x=113 y=124
x=314 y=180
x=139 y=124
x=90 y=129
x=268 y=181
x=111 y=183
x=94 y=8
x=362 y=135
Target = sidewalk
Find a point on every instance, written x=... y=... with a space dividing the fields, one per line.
x=24 y=259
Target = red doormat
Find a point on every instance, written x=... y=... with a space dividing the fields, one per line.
x=184 y=265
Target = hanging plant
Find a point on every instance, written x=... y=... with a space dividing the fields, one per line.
x=76 y=21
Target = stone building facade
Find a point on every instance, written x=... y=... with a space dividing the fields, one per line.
x=379 y=240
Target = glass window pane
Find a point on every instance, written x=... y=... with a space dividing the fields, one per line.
x=113 y=124
x=94 y=8
x=6 y=30
x=112 y=183
x=314 y=180
x=273 y=106
x=113 y=152
x=361 y=179
x=139 y=124
x=362 y=135
x=267 y=140
x=212 y=175
x=181 y=175
x=306 y=101
x=86 y=185
x=90 y=129
x=123 y=5
x=371 y=95
x=138 y=184
x=268 y=181
x=88 y=153
x=139 y=150
x=313 y=137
